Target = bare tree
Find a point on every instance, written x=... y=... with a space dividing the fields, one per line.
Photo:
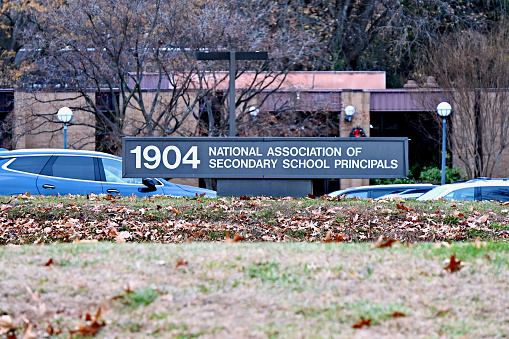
x=472 y=72
x=15 y=16
x=134 y=61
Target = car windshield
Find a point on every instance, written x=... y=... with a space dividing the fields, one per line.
x=430 y=195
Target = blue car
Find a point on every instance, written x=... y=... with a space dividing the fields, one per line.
x=62 y=172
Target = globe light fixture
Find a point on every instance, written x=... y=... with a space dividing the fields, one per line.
x=444 y=109
x=349 y=112
x=65 y=115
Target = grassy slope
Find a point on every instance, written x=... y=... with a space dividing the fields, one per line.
x=257 y=290
x=200 y=286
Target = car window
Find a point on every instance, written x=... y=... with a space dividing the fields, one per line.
x=30 y=164
x=71 y=167
x=357 y=194
x=500 y=193
x=461 y=194
x=433 y=193
x=379 y=192
x=113 y=172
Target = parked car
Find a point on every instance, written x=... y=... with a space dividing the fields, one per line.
x=479 y=189
x=412 y=193
x=376 y=191
x=58 y=171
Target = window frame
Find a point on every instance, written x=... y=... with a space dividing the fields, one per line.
x=48 y=168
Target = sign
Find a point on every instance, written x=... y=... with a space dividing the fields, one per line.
x=289 y=158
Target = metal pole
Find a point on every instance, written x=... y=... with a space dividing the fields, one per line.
x=233 y=129
x=65 y=136
x=443 y=152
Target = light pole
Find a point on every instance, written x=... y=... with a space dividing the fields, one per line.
x=349 y=112
x=65 y=115
x=444 y=109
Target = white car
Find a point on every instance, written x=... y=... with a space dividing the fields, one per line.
x=412 y=193
x=375 y=191
x=478 y=190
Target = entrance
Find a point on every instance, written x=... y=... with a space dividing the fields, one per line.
x=424 y=138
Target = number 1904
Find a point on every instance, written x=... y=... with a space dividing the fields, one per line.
x=151 y=155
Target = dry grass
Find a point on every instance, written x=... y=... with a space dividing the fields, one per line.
x=257 y=290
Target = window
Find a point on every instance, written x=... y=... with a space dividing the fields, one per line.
x=358 y=194
x=377 y=193
x=105 y=101
x=81 y=168
x=211 y=107
x=6 y=106
x=500 y=193
x=113 y=172
x=29 y=164
x=6 y=103
x=467 y=193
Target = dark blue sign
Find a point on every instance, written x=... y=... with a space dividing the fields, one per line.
x=265 y=157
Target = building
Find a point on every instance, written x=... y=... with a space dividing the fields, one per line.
x=29 y=116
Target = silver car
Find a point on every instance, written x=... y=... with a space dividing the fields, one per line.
x=479 y=190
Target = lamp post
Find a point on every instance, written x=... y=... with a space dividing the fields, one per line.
x=349 y=112
x=444 y=109
x=65 y=115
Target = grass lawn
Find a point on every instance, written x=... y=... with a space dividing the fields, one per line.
x=260 y=268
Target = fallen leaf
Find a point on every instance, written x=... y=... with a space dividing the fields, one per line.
x=227 y=238
x=181 y=263
x=122 y=237
x=91 y=327
x=51 y=262
x=397 y=314
x=52 y=331
x=402 y=207
x=453 y=265
x=483 y=219
x=34 y=295
x=6 y=324
x=238 y=237
x=362 y=323
x=27 y=331
x=88 y=330
x=442 y=313
x=328 y=237
x=383 y=242
x=85 y=241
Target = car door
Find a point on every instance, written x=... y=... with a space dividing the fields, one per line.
x=19 y=174
x=113 y=183
x=70 y=174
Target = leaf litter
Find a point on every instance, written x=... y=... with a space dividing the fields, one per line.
x=208 y=291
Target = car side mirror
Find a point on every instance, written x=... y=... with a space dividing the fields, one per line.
x=150 y=183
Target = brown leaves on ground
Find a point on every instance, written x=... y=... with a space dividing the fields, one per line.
x=6 y=324
x=91 y=325
x=167 y=220
x=453 y=265
x=181 y=263
x=362 y=323
x=236 y=238
x=384 y=242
